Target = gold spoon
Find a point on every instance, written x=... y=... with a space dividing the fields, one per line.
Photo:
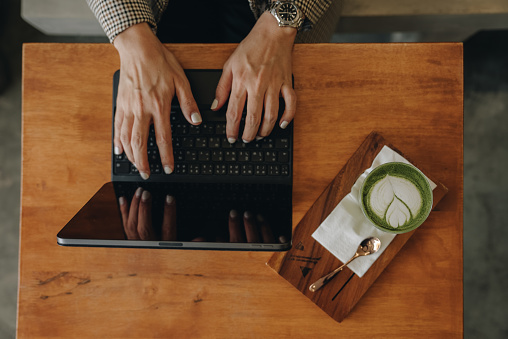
x=367 y=246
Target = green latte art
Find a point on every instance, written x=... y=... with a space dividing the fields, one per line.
x=396 y=197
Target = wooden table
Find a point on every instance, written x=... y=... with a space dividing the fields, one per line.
x=411 y=93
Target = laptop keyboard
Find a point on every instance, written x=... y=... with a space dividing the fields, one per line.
x=204 y=150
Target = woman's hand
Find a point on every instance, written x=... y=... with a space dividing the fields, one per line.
x=150 y=76
x=258 y=71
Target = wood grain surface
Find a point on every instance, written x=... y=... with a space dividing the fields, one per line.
x=411 y=93
x=307 y=261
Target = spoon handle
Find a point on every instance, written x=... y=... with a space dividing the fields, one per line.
x=324 y=280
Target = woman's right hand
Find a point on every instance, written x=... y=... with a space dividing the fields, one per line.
x=150 y=76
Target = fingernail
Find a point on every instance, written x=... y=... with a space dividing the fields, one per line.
x=231 y=140
x=144 y=175
x=121 y=201
x=282 y=239
x=168 y=170
x=169 y=199
x=196 y=117
x=247 y=215
x=139 y=191
x=284 y=124
x=259 y=138
x=233 y=213
x=117 y=150
x=245 y=141
x=145 y=196
x=214 y=104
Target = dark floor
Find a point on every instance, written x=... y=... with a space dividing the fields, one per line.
x=485 y=160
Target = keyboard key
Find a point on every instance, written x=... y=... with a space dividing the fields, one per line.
x=194 y=129
x=234 y=169
x=256 y=156
x=207 y=128
x=220 y=169
x=268 y=143
x=230 y=155
x=270 y=156
x=177 y=142
x=217 y=156
x=122 y=167
x=284 y=170
x=207 y=169
x=188 y=142
x=180 y=129
x=201 y=142
x=180 y=168
x=260 y=169
x=179 y=155
x=153 y=155
x=156 y=168
x=151 y=141
x=220 y=129
x=191 y=156
x=273 y=170
x=194 y=169
x=214 y=142
x=120 y=157
x=204 y=155
x=282 y=143
x=247 y=170
x=283 y=156
x=243 y=156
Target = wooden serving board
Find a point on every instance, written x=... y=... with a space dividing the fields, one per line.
x=308 y=260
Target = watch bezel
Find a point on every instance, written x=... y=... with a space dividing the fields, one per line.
x=296 y=22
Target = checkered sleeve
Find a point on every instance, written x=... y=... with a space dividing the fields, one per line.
x=115 y=16
x=313 y=9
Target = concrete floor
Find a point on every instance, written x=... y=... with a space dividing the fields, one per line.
x=485 y=160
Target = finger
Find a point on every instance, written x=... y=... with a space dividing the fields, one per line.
x=117 y=130
x=223 y=89
x=271 y=114
x=266 y=231
x=289 y=95
x=164 y=143
x=124 y=212
x=186 y=100
x=132 y=223
x=139 y=139
x=234 y=113
x=236 y=234
x=251 y=229
x=145 y=229
x=253 y=118
x=125 y=136
x=169 y=219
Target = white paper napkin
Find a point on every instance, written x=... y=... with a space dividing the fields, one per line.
x=343 y=230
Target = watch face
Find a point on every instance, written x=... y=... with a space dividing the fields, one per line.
x=287 y=12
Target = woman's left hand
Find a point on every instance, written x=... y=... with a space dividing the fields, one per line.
x=258 y=71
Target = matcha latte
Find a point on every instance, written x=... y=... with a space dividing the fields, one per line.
x=396 y=197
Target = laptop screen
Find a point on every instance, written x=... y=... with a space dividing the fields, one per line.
x=184 y=215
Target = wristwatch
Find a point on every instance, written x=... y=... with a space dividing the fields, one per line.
x=286 y=13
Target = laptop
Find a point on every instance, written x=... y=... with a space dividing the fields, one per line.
x=221 y=196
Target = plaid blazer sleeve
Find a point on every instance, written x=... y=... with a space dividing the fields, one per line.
x=313 y=9
x=115 y=16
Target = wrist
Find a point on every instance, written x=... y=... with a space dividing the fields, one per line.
x=269 y=23
x=135 y=38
